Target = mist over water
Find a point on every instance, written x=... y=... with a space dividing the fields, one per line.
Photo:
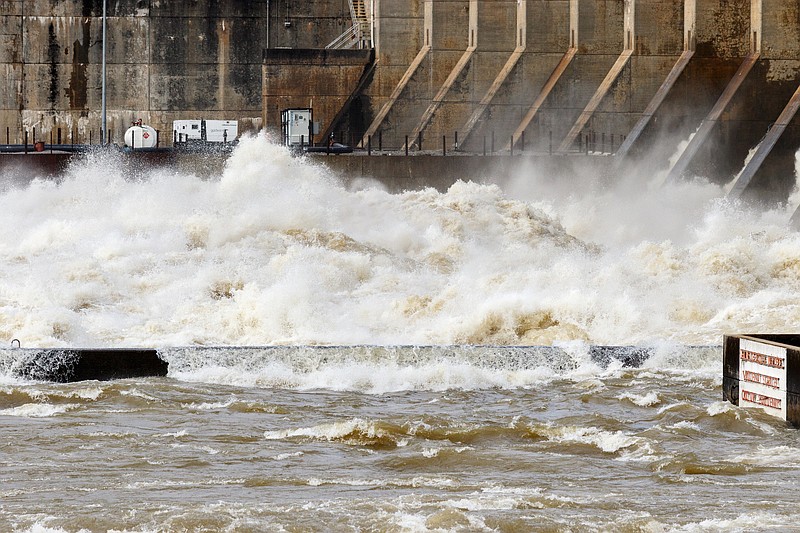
x=277 y=251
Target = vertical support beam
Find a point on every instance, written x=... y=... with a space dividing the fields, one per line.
x=472 y=45
x=727 y=95
x=428 y=24
x=574 y=6
x=473 y=24
x=521 y=37
x=412 y=69
x=103 y=127
x=574 y=10
x=755 y=26
x=629 y=25
x=689 y=23
x=628 y=42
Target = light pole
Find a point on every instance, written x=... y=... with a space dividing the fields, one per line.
x=103 y=133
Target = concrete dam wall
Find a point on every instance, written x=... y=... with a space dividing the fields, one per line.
x=629 y=78
x=165 y=61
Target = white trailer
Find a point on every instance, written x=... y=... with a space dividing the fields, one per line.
x=208 y=131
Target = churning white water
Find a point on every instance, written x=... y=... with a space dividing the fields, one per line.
x=277 y=251
x=372 y=436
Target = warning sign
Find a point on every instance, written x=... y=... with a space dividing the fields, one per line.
x=762 y=376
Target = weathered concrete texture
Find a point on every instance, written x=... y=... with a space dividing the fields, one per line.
x=745 y=122
x=723 y=28
x=659 y=27
x=448 y=39
x=336 y=77
x=311 y=24
x=781 y=35
x=657 y=44
x=570 y=96
x=205 y=58
x=166 y=60
x=619 y=111
x=547 y=39
x=752 y=109
x=600 y=29
x=751 y=116
x=599 y=42
x=720 y=31
x=721 y=40
x=399 y=35
x=495 y=40
x=690 y=99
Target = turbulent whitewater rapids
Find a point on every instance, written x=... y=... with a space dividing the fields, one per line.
x=276 y=251
x=429 y=359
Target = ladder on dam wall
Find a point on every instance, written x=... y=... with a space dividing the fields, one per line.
x=594 y=102
x=711 y=119
x=655 y=102
x=544 y=93
x=765 y=147
x=359 y=35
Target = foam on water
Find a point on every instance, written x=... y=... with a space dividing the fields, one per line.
x=36 y=410
x=385 y=369
x=276 y=251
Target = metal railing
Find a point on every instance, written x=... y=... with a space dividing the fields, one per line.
x=359 y=35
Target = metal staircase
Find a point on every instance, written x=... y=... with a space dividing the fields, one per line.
x=359 y=35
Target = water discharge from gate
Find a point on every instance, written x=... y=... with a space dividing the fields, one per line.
x=276 y=250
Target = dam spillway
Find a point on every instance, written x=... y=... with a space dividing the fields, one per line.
x=626 y=77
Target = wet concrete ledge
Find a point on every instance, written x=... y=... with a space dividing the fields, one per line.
x=413 y=172
x=393 y=170
x=82 y=364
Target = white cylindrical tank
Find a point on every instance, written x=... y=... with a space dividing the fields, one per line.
x=141 y=137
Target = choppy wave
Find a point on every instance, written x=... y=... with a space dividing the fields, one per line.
x=276 y=250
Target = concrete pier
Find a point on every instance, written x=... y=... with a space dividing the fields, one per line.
x=80 y=364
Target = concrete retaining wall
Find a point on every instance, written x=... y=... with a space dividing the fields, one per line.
x=397 y=173
x=165 y=61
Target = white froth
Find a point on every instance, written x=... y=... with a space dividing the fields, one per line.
x=37 y=410
x=276 y=251
x=332 y=431
x=607 y=441
x=642 y=400
x=776 y=456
